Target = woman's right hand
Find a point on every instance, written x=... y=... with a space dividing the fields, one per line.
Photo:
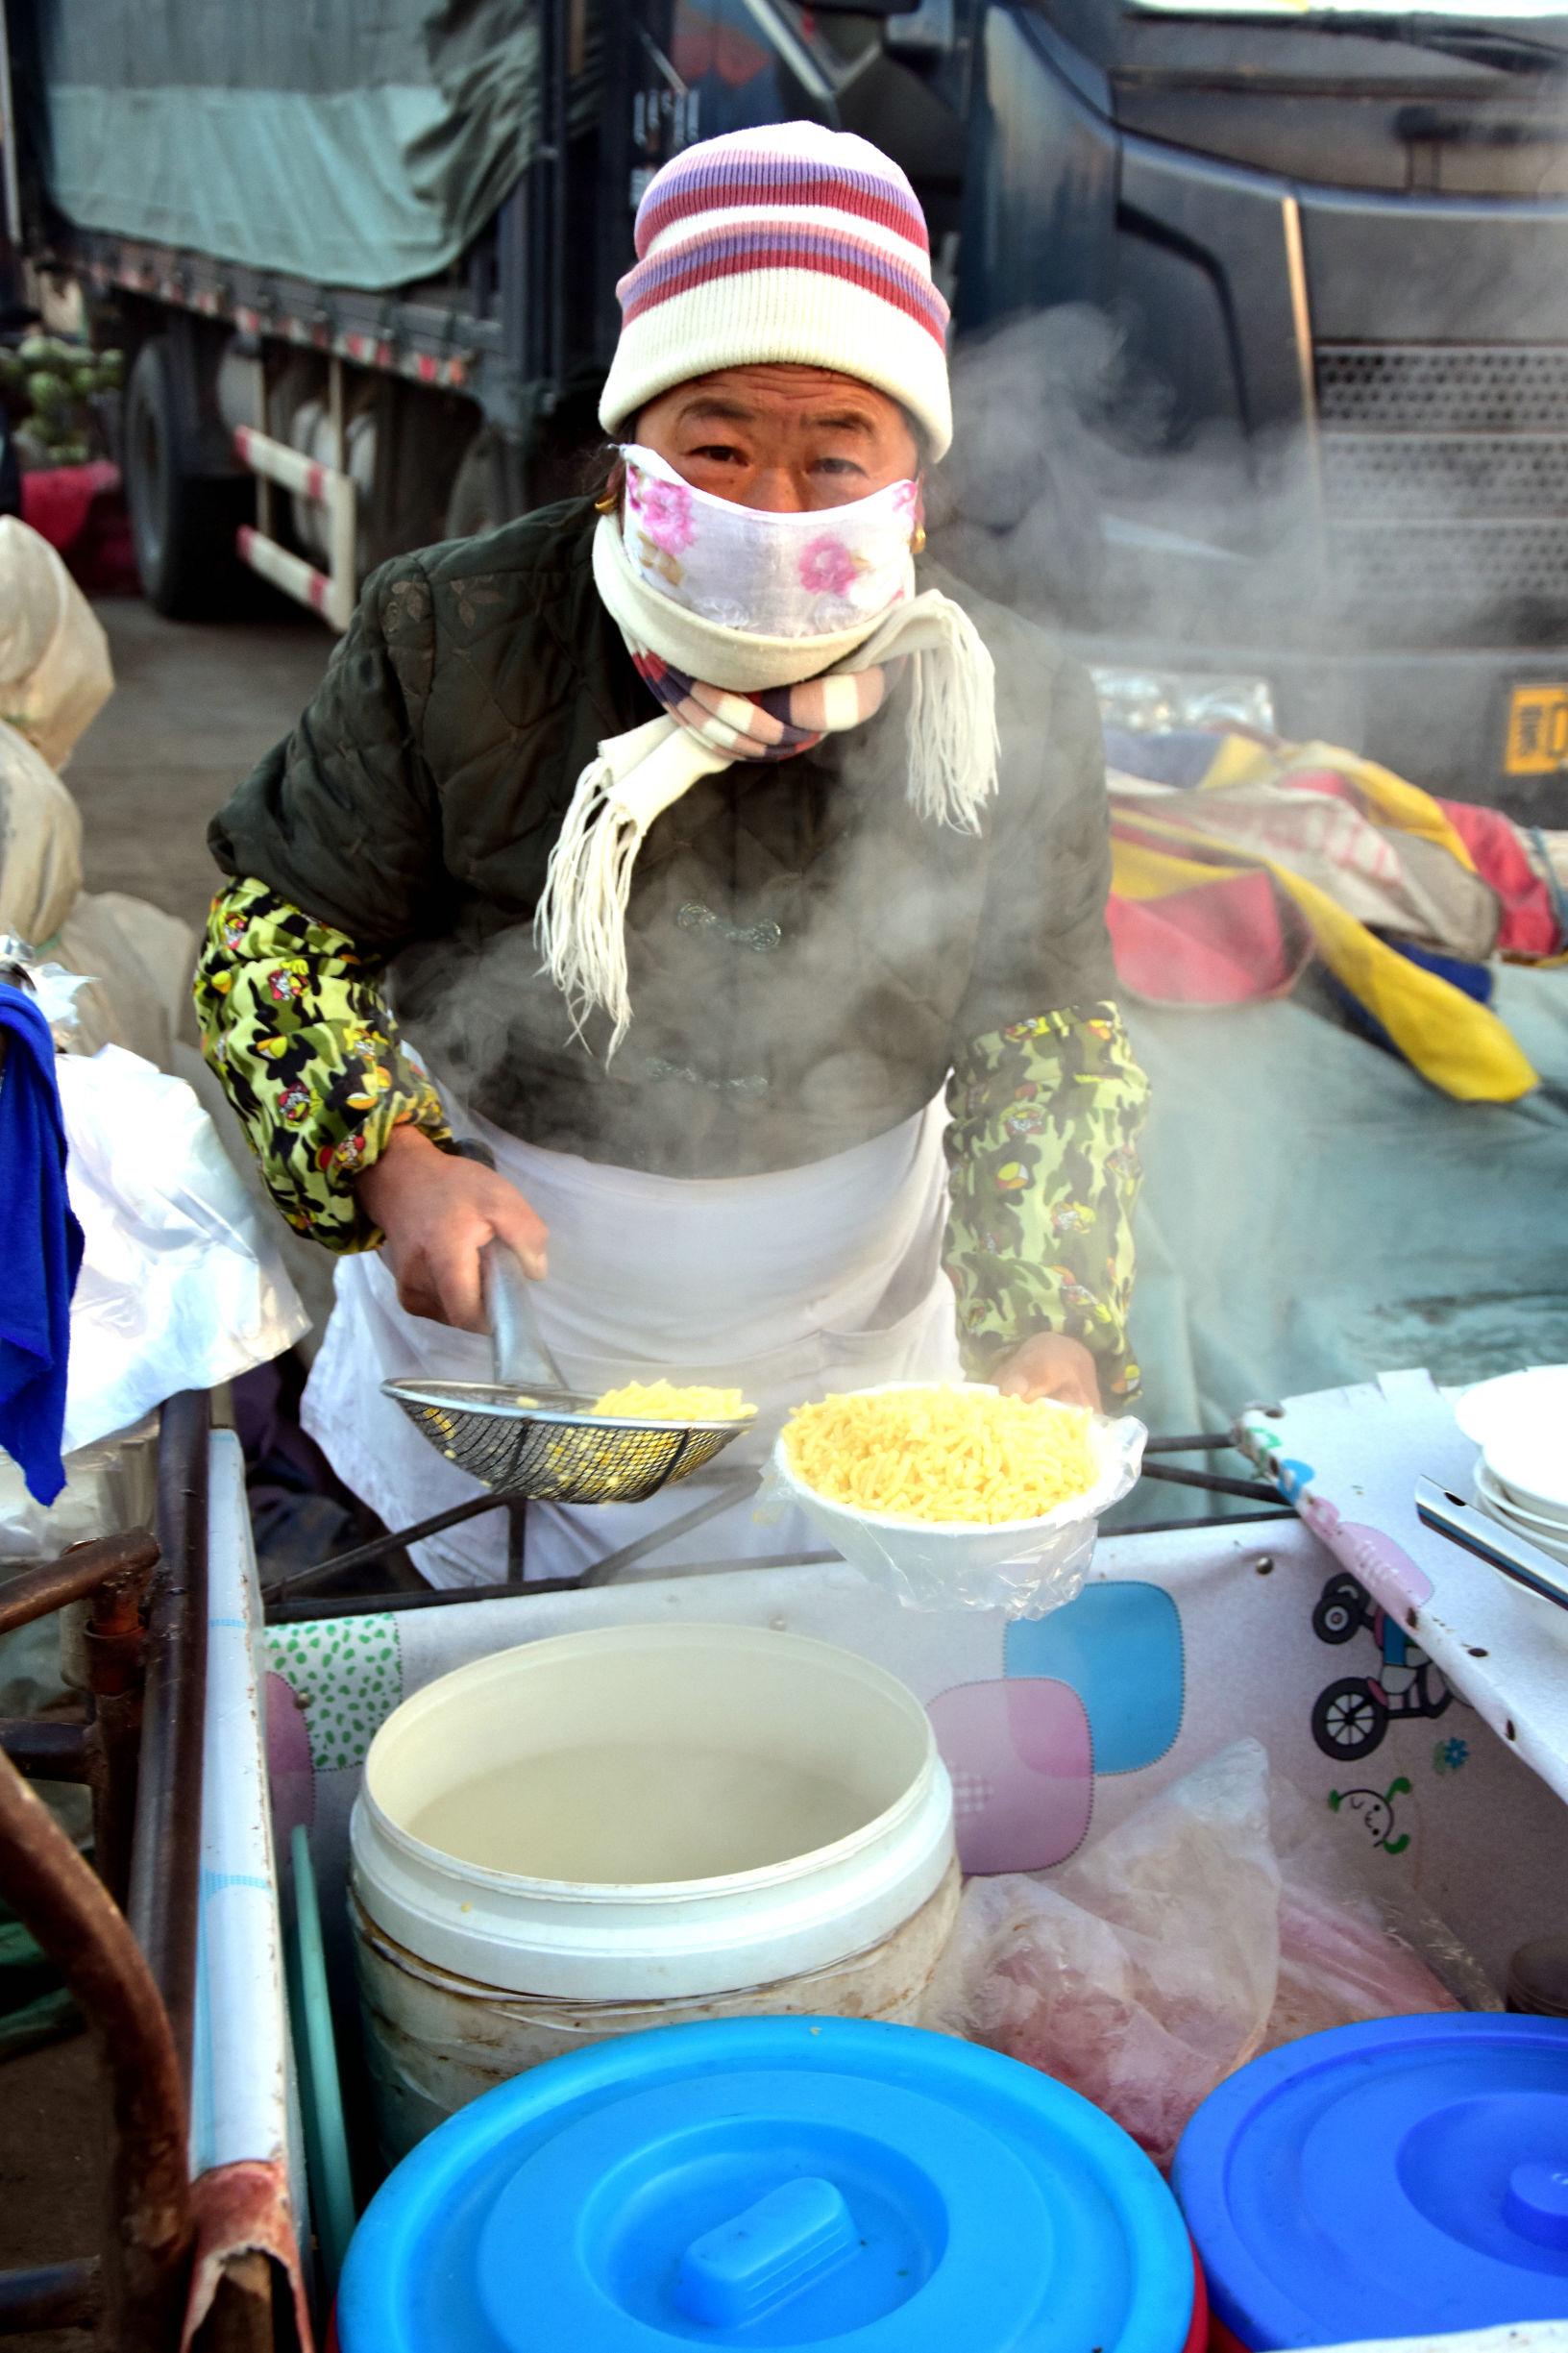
x=437 y=1212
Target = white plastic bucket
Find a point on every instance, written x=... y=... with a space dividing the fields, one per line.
x=434 y=2042
x=722 y=1751
x=651 y=1813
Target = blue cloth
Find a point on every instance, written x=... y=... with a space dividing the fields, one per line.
x=40 y=1249
x=1474 y=979
x=1182 y=756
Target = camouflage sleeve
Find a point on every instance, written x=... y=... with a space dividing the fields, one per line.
x=1043 y=1157
x=308 y=1054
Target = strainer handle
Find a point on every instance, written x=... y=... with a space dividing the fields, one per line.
x=519 y=1349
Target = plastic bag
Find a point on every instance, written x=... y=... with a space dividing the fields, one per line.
x=122 y=981
x=40 y=840
x=1350 y=1951
x=1178 y=1947
x=107 y=1486
x=68 y=1001
x=1025 y=1568
x=180 y=1285
x=141 y=962
x=1142 y=1973
x=55 y=670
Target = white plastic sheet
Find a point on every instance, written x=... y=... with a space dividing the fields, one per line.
x=106 y=1486
x=182 y=1287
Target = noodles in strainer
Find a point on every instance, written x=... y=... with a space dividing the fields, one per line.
x=662 y=1401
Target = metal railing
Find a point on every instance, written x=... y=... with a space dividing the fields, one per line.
x=333 y=592
x=136 y=1641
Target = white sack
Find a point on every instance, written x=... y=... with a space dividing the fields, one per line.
x=54 y=671
x=181 y=1286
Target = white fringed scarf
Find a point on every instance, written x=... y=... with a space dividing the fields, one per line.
x=712 y=680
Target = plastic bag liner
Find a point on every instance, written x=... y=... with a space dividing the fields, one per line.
x=1025 y=1567
x=1213 y=1924
x=182 y=1287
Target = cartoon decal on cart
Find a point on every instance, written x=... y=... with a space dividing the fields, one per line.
x=1374 y=1810
x=1350 y=1717
x=1091 y=1690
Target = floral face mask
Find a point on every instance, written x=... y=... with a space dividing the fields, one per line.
x=768 y=574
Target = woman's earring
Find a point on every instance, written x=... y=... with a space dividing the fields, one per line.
x=918 y=542
x=609 y=501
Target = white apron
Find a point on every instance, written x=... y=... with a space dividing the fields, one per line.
x=788 y=1286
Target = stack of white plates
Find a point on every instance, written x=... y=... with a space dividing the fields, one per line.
x=1520 y=1422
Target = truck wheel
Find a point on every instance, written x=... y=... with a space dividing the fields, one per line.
x=183 y=521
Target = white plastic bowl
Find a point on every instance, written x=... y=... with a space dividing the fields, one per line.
x=1530 y=1466
x=1502 y=1502
x=1493 y=1409
x=1024 y=1566
x=1553 y=1548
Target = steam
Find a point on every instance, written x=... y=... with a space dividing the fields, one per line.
x=1072 y=477
x=1056 y=427
x=1082 y=493
x=809 y=924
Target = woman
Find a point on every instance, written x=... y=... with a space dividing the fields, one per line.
x=705 y=849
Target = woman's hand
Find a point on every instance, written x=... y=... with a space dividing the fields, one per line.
x=437 y=1213
x=1050 y=1365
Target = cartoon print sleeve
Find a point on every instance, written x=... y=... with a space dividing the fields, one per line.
x=1042 y=1152
x=307 y=1052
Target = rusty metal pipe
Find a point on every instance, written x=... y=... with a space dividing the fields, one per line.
x=113 y=1650
x=241 y=2317
x=62 y=1903
x=120 y=1564
x=48 y=1751
x=167 y=1853
x=115 y=1745
x=54 y=2295
x=102 y=1751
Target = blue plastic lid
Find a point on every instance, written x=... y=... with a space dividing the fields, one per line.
x=1398 y=2179
x=772 y=2182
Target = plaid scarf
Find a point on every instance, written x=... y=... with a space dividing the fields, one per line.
x=775 y=724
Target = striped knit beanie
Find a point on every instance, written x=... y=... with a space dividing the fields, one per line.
x=789 y=244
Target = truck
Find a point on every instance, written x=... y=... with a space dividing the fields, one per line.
x=1261 y=309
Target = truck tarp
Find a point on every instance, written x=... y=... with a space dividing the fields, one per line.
x=352 y=142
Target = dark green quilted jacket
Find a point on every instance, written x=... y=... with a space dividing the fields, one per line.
x=808 y=959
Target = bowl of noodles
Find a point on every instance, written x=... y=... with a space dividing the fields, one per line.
x=950 y=1493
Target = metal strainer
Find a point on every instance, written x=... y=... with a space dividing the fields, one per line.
x=545 y=1442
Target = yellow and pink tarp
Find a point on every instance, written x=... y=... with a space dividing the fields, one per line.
x=1237 y=863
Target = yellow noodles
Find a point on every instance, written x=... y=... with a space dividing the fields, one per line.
x=661 y=1401
x=942 y=1453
